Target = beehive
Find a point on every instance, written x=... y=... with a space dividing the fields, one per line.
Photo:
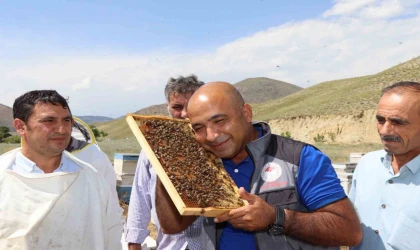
x=194 y=178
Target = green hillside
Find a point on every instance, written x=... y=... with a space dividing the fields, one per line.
x=339 y=97
x=116 y=129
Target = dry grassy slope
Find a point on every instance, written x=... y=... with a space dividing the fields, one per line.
x=342 y=111
x=340 y=97
x=6 y=117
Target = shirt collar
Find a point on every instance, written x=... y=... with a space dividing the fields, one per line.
x=24 y=163
x=31 y=167
x=413 y=165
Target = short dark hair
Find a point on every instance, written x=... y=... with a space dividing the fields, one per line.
x=399 y=87
x=24 y=105
x=188 y=84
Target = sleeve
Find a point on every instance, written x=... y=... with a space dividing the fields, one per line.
x=140 y=203
x=102 y=163
x=114 y=218
x=317 y=183
x=353 y=190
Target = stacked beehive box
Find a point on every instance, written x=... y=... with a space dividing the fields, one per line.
x=125 y=168
x=345 y=171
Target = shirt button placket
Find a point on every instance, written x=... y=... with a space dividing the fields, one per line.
x=390 y=181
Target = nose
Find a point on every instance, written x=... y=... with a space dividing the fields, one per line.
x=386 y=128
x=62 y=127
x=212 y=134
x=184 y=113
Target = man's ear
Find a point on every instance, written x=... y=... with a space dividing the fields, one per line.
x=19 y=126
x=247 y=112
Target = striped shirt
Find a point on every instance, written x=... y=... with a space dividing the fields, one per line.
x=142 y=209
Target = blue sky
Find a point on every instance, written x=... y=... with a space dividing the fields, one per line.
x=124 y=51
x=141 y=26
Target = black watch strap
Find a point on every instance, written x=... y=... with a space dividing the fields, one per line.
x=280 y=216
x=277 y=228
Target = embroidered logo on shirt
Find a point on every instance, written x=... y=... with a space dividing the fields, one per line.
x=271 y=172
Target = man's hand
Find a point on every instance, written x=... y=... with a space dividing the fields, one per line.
x=255 y=216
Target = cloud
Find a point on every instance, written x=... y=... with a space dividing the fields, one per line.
x=84 y=84
x=345 y=7
x=371 y=9
x=303 y=53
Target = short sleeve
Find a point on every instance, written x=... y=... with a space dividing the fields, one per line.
x=317 y=182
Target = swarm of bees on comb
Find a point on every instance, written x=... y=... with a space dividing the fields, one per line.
x=197 y=175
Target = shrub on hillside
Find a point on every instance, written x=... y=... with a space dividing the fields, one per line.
x=12 y=139
x=286 y=134
x=319 y=138
x=332 y=136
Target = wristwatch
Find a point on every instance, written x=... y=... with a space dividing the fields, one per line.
x=277 y=228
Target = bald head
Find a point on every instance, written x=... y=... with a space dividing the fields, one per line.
x=221 y=120
x=216 y=92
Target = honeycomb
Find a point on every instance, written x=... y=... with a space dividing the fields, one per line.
x=197 y=175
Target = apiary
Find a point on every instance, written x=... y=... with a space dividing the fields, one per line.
x=125 y=163
x=194 y=178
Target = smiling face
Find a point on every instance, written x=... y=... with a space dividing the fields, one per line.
x=177 y=105
x=47 y=131
x=398 y=122
x=222 y=125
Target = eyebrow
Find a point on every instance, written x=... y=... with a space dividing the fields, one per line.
x=55 y=118
x=393 y=119
x=398 y=120
x=213 y=117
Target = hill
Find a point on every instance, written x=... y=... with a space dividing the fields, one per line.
x=89 y=119
x=341 y=111
x=339 y=97
x=6 y=117
x=116 y=129
x=262 y=89
x=254 y=90
x=159 y=109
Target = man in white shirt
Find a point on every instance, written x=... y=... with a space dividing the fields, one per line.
x=49 y=198
x=142 y=200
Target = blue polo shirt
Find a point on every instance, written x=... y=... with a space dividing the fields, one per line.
x=317 y=186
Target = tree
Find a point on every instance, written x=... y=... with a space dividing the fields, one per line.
x=4 y=133
x=97 y=132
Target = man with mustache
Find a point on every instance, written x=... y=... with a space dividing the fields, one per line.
x=50 y=198
x=295 y=198
x=142 y=200
x=386 y=183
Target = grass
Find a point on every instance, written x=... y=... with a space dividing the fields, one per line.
x=339 y=97
x=339 y=153
x=111 y=146
x=4 y=147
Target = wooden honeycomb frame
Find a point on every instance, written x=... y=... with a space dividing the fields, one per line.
x=184 y=208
